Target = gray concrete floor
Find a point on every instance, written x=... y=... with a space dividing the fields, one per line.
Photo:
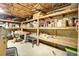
x=26 y=49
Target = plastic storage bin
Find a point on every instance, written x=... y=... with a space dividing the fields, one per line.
x=71 y=51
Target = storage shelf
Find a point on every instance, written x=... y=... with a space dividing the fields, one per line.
x=10 y=21
x=57 y=28
x=29 y=20
x=59 y=13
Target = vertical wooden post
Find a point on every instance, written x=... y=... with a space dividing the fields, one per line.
x=21 y=26
x=38 y=29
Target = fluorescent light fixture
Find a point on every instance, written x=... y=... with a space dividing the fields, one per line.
x=1 y=10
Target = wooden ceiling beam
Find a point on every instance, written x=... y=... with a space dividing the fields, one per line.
x=22 y=5
x=25 y=6
x=13 y=12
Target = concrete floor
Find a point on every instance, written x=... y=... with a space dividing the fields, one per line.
x=26 y=49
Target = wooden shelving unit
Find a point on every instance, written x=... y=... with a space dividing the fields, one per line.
x=66 y=11
x=52 y=15
x=46 y=16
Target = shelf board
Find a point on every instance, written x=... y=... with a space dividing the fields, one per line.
x=43 y=28
x=30 y=28
x=59 y=13
x=29 y=20
x=57 y=28
x=13 y=28
x=10 y=21
x=51 y=28
x=66 y=42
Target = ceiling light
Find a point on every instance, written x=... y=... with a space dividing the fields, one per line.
x=1 y=10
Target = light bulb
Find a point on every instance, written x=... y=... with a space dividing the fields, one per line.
x=1 y=10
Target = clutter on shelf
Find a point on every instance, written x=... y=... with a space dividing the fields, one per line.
x=59 y=21
x=33 y=24
x=9 y=25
